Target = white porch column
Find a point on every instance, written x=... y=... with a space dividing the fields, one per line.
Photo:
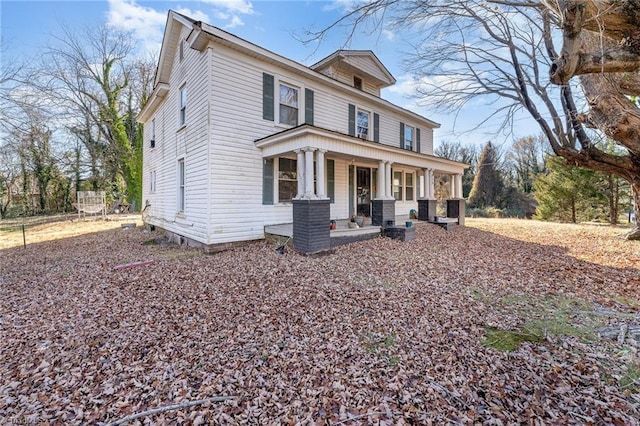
x=380 y=193
x=309 y=190
x=320 y=177
x=300 y=172
x=452 y=186
x=458 y=186
x=388 y=189
x=427 y=191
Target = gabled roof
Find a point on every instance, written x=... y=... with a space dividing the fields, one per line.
x=361 y=62
x=202 y=33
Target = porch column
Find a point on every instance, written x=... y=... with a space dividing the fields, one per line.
x=320 y=173
x=388 y=189
x=380 y=195
x=452 y=186
x=309 y=190
x=427 y=204
x=300 y=172
x=459 y=186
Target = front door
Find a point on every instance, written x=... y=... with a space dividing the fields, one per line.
x=363 y=191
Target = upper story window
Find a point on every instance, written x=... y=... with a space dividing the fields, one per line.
x=357 y=82
x=183 y=106
x=362 y=124
x=408 y=137
x=288 y=105
x=153 y=133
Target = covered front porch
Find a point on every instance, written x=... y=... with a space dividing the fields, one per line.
x=338 y=176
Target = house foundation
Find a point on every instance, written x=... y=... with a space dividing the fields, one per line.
x=311 y=225
x=455 y=209
x=426 y=210
x=383 y=212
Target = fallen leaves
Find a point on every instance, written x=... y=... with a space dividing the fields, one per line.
x=380 y=332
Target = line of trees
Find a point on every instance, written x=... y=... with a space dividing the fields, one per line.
x=527 y=180
x=67 y=122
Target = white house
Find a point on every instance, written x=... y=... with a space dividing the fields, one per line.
x=238 y=138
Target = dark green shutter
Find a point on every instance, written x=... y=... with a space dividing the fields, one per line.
x=308 y=106
x=376 y=127
x=267 y=96
x=401 y=135
x=331 y=184
x=418 y=140
x=267 y=181
x=352 y=120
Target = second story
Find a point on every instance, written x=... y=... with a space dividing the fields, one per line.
x=209 y=80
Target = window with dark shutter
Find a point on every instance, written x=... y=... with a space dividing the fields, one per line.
x=418 y=148
x=402 y=135
x=267 y=96
x=352 y=120
x=308 y=106
x=267 y=181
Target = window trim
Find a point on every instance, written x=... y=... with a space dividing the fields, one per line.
x=413 y=137
x=298 y=88
x=182 y=102
x=413 y=186
x=152 y=182
x=358 y=135
x=182 y=192
x=399 y=186
x=152 y=142
x=358 y=83
x=277 y=180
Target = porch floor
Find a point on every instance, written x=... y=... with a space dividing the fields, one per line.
x=342 y=228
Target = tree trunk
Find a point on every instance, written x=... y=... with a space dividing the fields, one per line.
x=634 y=234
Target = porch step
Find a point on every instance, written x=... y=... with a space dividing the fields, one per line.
x=341 y=237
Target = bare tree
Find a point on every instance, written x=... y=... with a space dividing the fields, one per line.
x=503 y=50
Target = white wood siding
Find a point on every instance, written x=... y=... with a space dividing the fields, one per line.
x=366 y=64
x=172 y=144
x=223 y=201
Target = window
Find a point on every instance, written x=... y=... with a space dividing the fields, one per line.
x=288 y=105
x=357 y=82
x=287 y=179
x=397 y=185
x=181 y=188
x=408 y=138
x=363 y=124
x=183 y=106
x=153 y=133
x=152 y=181
x=408 y=187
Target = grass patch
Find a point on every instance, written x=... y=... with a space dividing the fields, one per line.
x=542 y=317
x=631 y=379
x=508 y=340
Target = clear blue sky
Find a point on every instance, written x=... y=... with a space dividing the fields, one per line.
x=26 y=27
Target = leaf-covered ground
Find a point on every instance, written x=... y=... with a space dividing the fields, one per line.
x=378 y=332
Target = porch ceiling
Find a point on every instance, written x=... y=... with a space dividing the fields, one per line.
x=339 y=145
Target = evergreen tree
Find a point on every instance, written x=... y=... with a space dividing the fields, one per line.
x=488 y=186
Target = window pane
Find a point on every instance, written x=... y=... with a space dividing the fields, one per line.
x=363 y=124
x=288 y=96
x=287 y=190
x=288 y=115
x=408 y=137
x=287 y=179
x=397 y=185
